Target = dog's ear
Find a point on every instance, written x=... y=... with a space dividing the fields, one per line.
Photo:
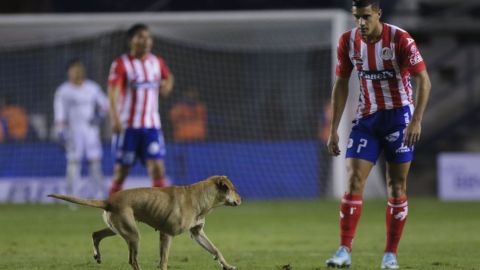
x=221 y=183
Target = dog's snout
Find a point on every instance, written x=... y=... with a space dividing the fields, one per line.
x=238 y=201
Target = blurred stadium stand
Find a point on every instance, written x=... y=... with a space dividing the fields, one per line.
x=264 y=87
x=447 y=32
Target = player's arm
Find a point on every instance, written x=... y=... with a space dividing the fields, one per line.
x=414 y=129
x=102 y=102
x=340 y=92
x=116 y=79
x=168 y=80
x=59 y=110
x=60 y=116
x=167 y=85
x=113 y=93
x=413 y=61
x=339 y=99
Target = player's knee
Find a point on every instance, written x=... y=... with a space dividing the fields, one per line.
x=120 y=173
x=355 y=183
x=155 y=169
x=397 y=187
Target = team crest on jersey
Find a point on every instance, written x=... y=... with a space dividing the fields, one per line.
x=387 y=53
x=357 y=57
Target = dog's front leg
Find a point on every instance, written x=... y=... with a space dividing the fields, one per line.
x=201 y=238
x=165 y=241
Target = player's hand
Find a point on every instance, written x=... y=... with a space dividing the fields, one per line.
x=332 y=144
x=412 y=133
x=116 y=127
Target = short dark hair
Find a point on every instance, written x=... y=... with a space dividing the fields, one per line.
x=134 y=29
x=366 y=3
x=72 y=62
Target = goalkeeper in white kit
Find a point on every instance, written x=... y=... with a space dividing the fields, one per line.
x=79 y=106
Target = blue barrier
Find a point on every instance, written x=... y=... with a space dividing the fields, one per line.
x=260 y=170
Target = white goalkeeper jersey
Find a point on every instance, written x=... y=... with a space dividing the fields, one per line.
x=75 y=105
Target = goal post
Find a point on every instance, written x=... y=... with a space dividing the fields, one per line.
x=263 y=75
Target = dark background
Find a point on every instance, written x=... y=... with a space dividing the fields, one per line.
x=62 y=6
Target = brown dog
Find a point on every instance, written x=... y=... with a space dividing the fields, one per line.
x=171 y=210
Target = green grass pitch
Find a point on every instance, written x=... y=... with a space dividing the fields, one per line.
x=256 y=235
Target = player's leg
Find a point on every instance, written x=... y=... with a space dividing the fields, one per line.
x=350 y=210
x=74 y=150
x=94 y=157
x=124 y=148
x=73 y=174
x=362 y=153
x=156 y=171
x=154 y=154
x=397 y=209
x=96 y=176
x=351 y=205
x=120 y=173
x=398 y=158
x=396 y=212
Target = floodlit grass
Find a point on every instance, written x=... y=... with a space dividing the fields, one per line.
x=256 y=235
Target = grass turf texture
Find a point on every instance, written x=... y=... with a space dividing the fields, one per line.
x=256 y=235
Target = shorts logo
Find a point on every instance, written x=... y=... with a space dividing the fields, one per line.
x=393 y=137
x=128 y=157
x=387 y=54
x=407 y=119
x=153 y=148
x=403 y=149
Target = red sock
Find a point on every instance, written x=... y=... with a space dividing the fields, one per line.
x=159 y=182
x=350 y=211
x=396 y=216
x=115 y=187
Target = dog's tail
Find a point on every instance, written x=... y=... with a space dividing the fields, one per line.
x=88 y=202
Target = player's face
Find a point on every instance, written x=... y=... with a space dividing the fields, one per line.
x=141 y=43
x=76 y=73
x=367 y=19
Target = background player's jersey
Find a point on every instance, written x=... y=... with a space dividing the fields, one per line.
x=139 y=82
x=384 y=67
x=75 y=105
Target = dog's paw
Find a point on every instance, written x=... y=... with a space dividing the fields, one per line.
x=97 y=258
x=229 y=268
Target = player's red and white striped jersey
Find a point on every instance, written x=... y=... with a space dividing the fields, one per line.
x=139 y=82
x=384 y=67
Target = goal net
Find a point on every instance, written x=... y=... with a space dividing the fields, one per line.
x=263 y=80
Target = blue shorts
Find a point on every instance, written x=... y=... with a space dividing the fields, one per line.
x=138 y=143
x=382 y=130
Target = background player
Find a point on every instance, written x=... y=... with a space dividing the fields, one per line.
x=78 y=104
x=136 y=79
x=384 y=56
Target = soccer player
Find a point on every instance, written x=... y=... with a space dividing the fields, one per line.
x=385 y=56
x=78 y=104
x=135 y=82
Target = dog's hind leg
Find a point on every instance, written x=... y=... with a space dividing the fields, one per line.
x=201 y=238
x=165 y=242
x=126 y=227
x=97 y=237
